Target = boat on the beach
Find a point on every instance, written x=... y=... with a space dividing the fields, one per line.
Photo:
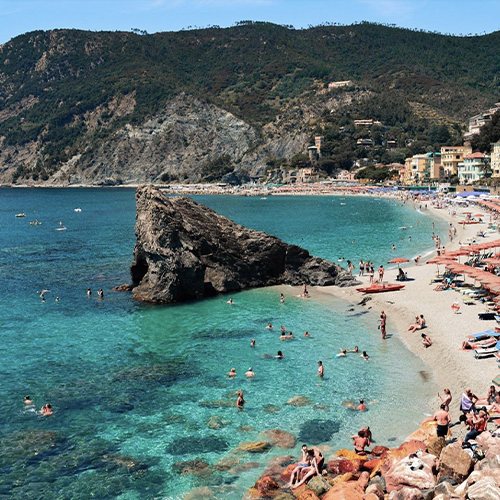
x=378 y=288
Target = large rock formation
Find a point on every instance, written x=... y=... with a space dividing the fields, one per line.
x=185 y=251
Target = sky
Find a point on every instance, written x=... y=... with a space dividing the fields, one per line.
x=458 y=17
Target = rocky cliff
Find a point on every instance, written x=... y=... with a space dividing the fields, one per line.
x=185 y=251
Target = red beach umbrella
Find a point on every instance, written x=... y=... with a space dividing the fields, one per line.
x=397 y=260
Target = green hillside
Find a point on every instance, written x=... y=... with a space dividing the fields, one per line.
x=417 y=82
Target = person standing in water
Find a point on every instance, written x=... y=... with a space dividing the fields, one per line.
x=320 y=369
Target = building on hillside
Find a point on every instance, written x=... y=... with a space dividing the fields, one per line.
x=365 y=142
x=472 y=168
x=346 y=176
x=415 y=168
x=434 y=170
x=313 y=153
x=367 y=123
x=495 y=159
x=451 y=156
x=308 y=174
x=319 y=141
x=289 y=175
x=337 y=85
x=391 y=144
x=478 y=121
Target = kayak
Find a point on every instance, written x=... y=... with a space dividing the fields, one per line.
x=377 y=288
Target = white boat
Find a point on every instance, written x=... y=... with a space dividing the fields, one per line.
x=22 y=214
x=78 y=209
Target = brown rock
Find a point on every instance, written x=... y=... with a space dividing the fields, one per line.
x=372 y=465
x=379 y=450
x=343 y=465
x=353 y=490
x=243 y=467
x=485 y=489
x=299 y=401
x=455 y=462
x=254 y=447
x=123 y=288
x=342 y=479
x=308 y=495
x=279 y=438
x=287 y=472
x=225 y=463
x=266 y=486
x=476 y=476
x=204 y=493
x=436 y=445
x=197 y=467
x=371 y=496
x=406 y=494
x=426 y=432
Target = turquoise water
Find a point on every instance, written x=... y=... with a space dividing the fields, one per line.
x=134 y=387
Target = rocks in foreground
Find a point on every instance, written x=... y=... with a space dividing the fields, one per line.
x=185 y=251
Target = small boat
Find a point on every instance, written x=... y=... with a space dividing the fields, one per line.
x=342 y=203
x=78 y=209
x=35 y=223
x=22 y=214
x=378 y=288
x=263 y=198
x=403 y=227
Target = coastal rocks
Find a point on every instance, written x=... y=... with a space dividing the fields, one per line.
x=279 y=438
x=343 y=465
x=352 y=490
x=123 y=288
x=318 y=485
x=415 y=473
x=266 y=486
x=185 y=251
x=455 y=462
x=203 y=493
x=196 y=467
x=435 y=447
x=299 y=401
x=215 y=422
x=254 y=447
x=406 y=494
x=308 y=495
x=191 y=445
x=484 y=489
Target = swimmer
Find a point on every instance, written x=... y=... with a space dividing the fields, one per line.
x=240 y=401
x=305 y=293
x=27 y=400
x=283 y=336
x=57 y=299
x=365 y=356
x=269 y=326
x=283 y=329
x=320 y=369
x=282 y=298
x=46 y=410
x=341 y=354
x=89 y=292
x=230 y=301
x=252 y=344
x=356 y=349
x=307 y=334
x=250 y=373
x=100 y=293
x=232 y=373
x=280 y=355
x=290 y=335
x=361 y=406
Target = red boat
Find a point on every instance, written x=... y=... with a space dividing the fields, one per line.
x=378 y=288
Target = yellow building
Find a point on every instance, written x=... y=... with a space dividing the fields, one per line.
x=451 y=156
x=415 y=169
x=495 y=160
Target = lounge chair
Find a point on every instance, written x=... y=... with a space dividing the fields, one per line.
x=484 y=335
x=487 y=316
x=487 y=351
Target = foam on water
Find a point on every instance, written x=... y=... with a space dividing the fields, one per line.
x=137 y=388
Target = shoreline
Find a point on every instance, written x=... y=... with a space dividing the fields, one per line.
x=452 y=367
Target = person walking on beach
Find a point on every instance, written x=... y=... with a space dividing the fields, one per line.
x=361 y=268
x=381 y=271
x=381 y=325
x=446 y=399
x=442 y=417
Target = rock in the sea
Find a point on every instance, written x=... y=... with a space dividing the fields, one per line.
x=299 y=401
x=318 y=431
x=254 y=447
x=196 y=467
x=266 y=486
x=123 y=288
x=279 y=438
x=318 y=485
x=185 y=251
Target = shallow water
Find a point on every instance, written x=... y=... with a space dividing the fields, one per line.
x=135 y=387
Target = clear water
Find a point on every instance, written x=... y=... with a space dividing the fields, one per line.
x=133 y=387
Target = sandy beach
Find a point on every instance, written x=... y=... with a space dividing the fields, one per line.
x=453 y=367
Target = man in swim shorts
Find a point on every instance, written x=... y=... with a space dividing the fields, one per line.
x=442 y=417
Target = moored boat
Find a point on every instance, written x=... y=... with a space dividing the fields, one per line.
x=378 y=288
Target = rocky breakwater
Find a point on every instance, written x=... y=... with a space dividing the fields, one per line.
x=428 y=468
x=185 y=251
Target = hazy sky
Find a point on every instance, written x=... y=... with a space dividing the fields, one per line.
x=446 y=16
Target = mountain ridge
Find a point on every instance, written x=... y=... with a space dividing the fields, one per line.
x=69 y=97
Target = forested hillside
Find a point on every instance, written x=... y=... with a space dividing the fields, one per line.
x=111 y=107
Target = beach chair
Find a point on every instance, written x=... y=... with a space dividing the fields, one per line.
x=468 y=301
x=496 y=380
x=487 y=316
x=487 y=351
x=484 y=335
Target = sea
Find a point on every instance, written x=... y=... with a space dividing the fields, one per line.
x=142 y=405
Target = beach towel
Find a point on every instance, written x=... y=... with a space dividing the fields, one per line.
x=496 y=380
x=466 y=403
